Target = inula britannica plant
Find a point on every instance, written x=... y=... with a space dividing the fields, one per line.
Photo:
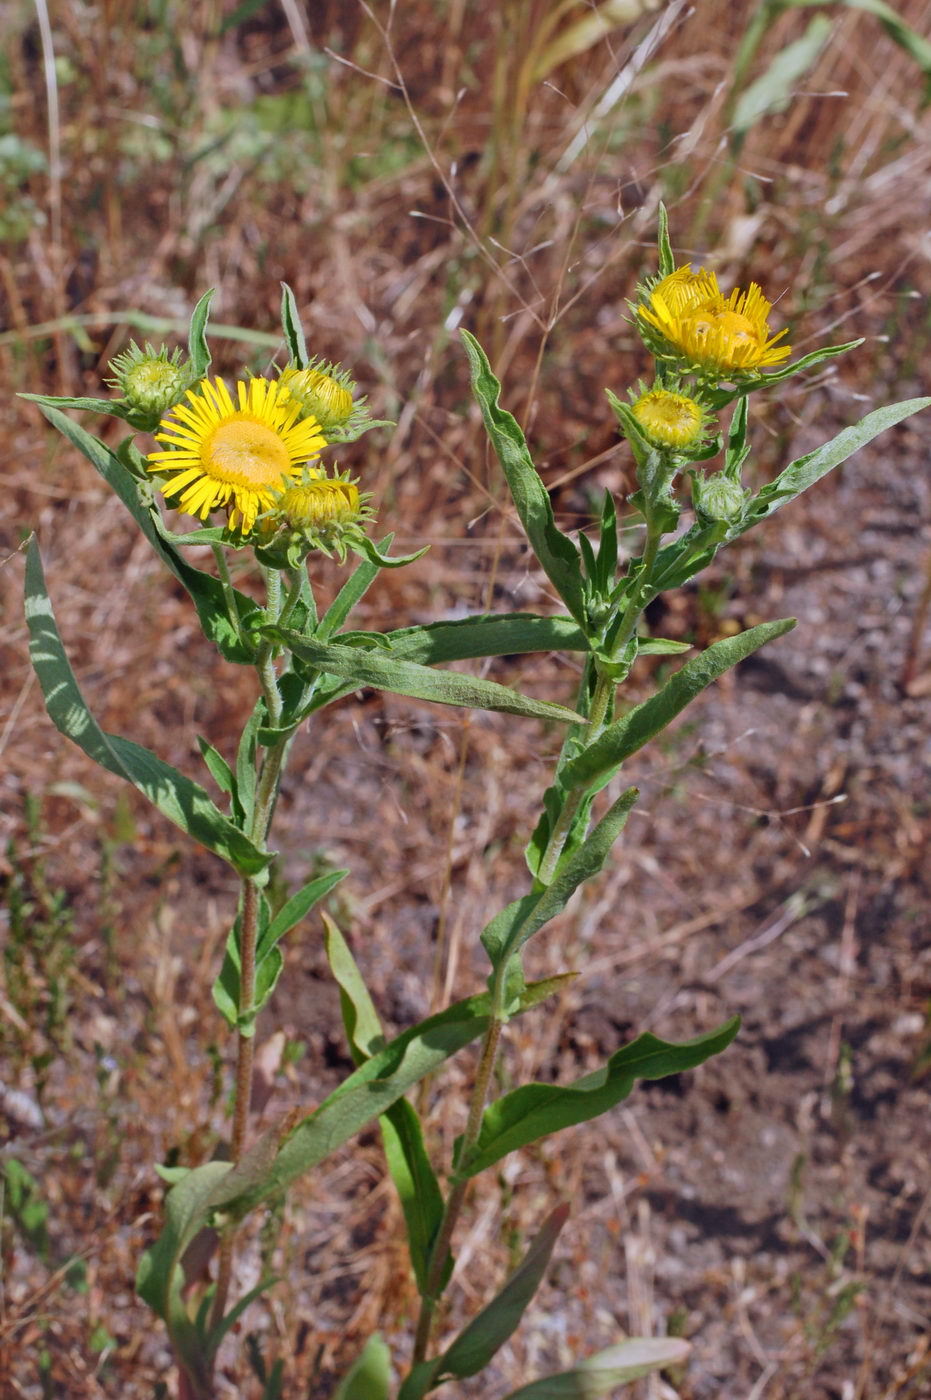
x=253 y=463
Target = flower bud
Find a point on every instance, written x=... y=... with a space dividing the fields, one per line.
x=671 y=422
x=718 y=498
x=328 y=397
x=151 y=381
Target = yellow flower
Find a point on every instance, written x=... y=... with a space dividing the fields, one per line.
x=684 y=289
x=667 y=419
x=317 y=503
x=717 y=334
x=326 y=397
x=224 y=455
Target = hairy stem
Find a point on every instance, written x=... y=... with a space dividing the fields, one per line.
x=439 y=1253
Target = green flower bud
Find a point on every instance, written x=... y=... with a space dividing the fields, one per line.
x=151 y=381
x=717 y=498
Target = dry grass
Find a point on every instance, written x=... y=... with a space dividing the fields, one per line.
x=408 y=170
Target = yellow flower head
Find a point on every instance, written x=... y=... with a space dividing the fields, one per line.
x=237 y=455
x=714 y=334
x=668 y=420
x=326 y=397
x=684 y=289
x=317 y=503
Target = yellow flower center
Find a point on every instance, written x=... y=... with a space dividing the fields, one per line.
x=668 y=420
x=152 y=376
x=735 y=330
x=243 y=452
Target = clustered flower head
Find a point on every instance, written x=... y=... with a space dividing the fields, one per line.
x=328 y=393
x=252 y=450
x=687 y=320
x=709 y=349
x=325 y=512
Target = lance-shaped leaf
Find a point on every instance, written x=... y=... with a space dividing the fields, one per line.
x=115 y=408
x=805 y=471
x=206 y=592
x=369 y=1377
x=487 y=1333
x=159 y=1279
x=534 y=1111
x=352 y=592
x=368 y=1092
x=402 y=1135
x=555 y=551
x=184 y=802
x=268 y=958
x=293 y=330
x=602 y=1373
x=510 y=930
x=198 y=348
x=371 y=668
x=603 y=758
x=503 y=634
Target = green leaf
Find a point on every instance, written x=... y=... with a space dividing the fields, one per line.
x=667 y=260
x=402 y=1135
x=720 y=398
x=227 y=1323
x=184 y=802
x=661 y=646
x=504 y=634
x=487 y=1333
x=293 y=330
x=298 y=907
x=364 y=668
x=602 y=1373
x=159 y=1279
x=737 y=446
x=373 y=555
x=805 y=471
x=369 y=1377
x=198 y=348
x=368 y=1092
x=351 y=593
x=245 y=759
x=535 y=1111
x=416 y=1184
x=115 y=408
x=628 y=734
x=555 y=551
x=510 y=930
x=773 y=90
x=218 y=768
x=206 y=592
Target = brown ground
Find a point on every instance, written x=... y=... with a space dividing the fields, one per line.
x=773 y=1206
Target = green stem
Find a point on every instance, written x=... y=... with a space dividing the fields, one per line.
x=266 y=790
x=229 y=595
x=439 y=1252
x=599 y=714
